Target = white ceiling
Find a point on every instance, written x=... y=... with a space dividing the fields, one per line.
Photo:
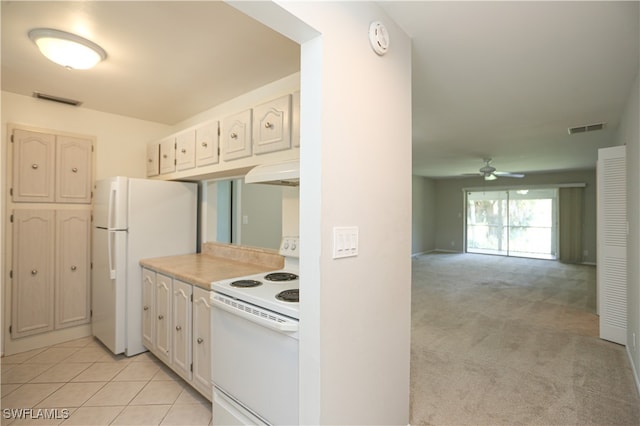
x=490 y=79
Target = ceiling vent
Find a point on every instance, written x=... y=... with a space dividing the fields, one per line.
x=58 y=99
x=586 y=128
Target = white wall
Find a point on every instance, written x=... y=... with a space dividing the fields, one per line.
x=355 y=312
x=423 y=223
x=629 y=134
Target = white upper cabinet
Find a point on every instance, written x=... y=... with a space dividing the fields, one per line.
x=73 y=170
x=186 y=150
x=295 y=119
x=33 y=166
x=272 y=125
x=168 y=155
x=153 y=159
x=207 y=144
x=51 y=168
x=236 y=136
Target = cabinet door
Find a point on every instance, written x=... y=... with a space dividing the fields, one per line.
x=201 y=341
x=33 y=166
x=236 y=136
x=148 y=313
x=168 y=155
x=153 y=159
x=186 y=150
x=33 y=272
x=73 y=251
x=162 y=304
x=181 y=328
x=207 y=144
x=271 y=126
x=295 y=119
x=73 y=170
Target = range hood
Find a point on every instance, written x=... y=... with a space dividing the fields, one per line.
x=285 y=173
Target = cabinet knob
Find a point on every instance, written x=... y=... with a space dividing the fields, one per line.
x=150 y=160
x=184 y=151
x=204 y=144
x=164 y=156
x=233 y=135
x=74 y=267
x=34 y=272
x=200 y=340
x=268 y=125
x=74 y=170
x=34 y=166
x=178 y=327
x=160 y=317
x=146 y=308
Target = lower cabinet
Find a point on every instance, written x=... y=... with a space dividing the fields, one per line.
x=176 y=327
x=50 y=270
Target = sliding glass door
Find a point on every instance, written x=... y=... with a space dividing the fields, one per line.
x=518 y=222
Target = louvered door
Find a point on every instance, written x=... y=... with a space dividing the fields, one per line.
x=612 y=244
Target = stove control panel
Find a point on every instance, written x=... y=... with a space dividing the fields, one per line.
x=290 y=247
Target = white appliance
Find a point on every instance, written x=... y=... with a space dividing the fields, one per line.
x=254 y=345
x=134 y=219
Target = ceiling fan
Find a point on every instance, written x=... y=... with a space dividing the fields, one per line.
x=488 y=172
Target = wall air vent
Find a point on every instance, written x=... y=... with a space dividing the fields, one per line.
x=586 y=128
x=58 y=99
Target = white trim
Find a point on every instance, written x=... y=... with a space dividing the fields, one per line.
x=636 y=379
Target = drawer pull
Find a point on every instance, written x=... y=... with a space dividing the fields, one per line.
x=150 y=160
x=160 y=317
x=74 y=267
x=178 y=327
x=34 y=166
x=74 y=170
x=146 y=308
x=184 y=151
x=34 y=272
x=164 y=156
x=204 y=144
x=200 y=340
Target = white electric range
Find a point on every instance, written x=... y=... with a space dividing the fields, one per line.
x=254 y=345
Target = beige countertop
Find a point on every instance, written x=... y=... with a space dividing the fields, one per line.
x=216 y=262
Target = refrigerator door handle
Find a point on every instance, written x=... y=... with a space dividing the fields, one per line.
x=113 y=196
x=110 y=247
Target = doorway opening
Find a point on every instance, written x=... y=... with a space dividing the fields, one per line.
x=515 y=222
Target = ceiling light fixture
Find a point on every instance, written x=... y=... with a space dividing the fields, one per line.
x=66 y=49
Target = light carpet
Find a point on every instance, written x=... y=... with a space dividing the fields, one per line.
x=512 y=341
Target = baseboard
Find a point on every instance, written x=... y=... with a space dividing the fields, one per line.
x=589 y=263
x=445 y=251
x=636 y=379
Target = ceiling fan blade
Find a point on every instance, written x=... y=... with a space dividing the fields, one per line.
x=508 y=174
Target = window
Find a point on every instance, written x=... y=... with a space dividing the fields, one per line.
x=516 y=222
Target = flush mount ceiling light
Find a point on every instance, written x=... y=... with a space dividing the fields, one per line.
x=66 y=49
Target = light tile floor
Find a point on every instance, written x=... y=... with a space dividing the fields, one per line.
x=96 y=388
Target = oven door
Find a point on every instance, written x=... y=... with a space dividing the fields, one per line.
x=254 y=362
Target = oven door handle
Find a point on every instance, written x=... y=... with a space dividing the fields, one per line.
x=250 y=313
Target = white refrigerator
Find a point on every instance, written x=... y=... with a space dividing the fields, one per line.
x=134 y=219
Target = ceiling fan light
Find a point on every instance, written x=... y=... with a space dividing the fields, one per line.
x=66 y=49
x=490 y=177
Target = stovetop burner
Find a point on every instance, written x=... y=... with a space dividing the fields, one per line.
x=281 y=276
x=291 y=295
x=245 y=283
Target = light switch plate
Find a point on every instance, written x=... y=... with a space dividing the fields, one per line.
x=345 y=241
x=290 y=246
